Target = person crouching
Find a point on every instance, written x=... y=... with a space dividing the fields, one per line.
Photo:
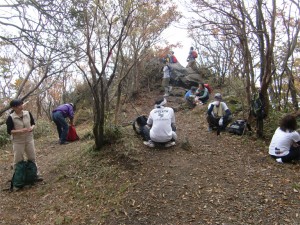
x=161 y=125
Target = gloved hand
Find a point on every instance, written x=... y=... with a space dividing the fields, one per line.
x=221 y=122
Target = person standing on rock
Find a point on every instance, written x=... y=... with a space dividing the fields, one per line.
x=166 y=79
x=59 y=116
x=191 y=59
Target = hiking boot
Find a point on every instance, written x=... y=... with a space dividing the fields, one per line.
x=149 y=144
x=64 y=143
x=170 y=144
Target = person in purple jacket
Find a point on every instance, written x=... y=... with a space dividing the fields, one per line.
x=59 y=116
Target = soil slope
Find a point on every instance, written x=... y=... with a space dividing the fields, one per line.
x=204 y=179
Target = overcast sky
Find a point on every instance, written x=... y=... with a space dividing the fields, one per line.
x=178 y=33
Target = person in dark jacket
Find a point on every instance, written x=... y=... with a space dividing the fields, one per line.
x=218 y=114
x=59 y=116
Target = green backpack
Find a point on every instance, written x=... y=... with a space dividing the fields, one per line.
x=25 y=174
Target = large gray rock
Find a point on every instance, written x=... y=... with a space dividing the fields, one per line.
x=184 y=77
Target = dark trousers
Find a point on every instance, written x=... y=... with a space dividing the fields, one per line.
x=214 y=122
x=145 y=130
x=61 y=125
x=294 y=154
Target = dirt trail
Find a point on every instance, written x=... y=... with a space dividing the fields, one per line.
x=222 y=179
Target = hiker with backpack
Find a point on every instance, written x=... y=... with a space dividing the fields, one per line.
x=285 y=143
x=166 y=79
x=161 y=125
x=59 y=116
x=173 y=59
x=191 y=59
x=218 y=114
x=202 y=94
x=20 y=125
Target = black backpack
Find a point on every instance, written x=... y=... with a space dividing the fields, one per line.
x=238 y=127
x=25 y=174
x=258 y=107
x=138 y=124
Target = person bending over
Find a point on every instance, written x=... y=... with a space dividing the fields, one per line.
x=284 y=146
x=59 y=116
x=161 y=125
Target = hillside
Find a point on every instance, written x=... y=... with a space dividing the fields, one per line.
x=204 y=179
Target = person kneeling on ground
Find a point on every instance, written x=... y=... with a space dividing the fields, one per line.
x=189 y=97
x=285 y=143
x=202 y=94
x=218 y=114
x=161 y=125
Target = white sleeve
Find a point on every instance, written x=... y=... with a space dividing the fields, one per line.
x=225 y=107
x=296 y=136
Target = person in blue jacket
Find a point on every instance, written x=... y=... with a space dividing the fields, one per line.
x=59 y=116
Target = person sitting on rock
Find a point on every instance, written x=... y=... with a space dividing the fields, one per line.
x=190 y=96
x=161 y=125
x=218 y=114
x=202 y=94
x=285 y=143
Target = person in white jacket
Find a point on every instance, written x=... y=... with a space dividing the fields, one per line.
x=285 y=143
x=161 y=125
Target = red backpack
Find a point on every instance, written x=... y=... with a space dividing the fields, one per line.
x=72 y=134
x=174 y=59
x=194 y=54
x=210 y=90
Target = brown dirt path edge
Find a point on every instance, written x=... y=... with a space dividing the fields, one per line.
x=222 y=179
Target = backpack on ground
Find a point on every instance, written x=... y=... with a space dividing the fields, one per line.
x=238 y=127
x=209 y=88
x=257 y=107
x=138 y=124
x=72 y=134
x=25 y=174
x=194 y=54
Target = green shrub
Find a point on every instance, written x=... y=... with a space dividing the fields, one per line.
x=4 y=137
x=112 y=133
x=42 y=128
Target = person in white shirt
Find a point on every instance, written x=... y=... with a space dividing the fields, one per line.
x=218 y=114
x=161 y=122
x=166 y=79
x=285 y=143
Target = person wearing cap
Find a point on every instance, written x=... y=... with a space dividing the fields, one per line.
x=59 y=116
x=20 y=125
x=161 y=122
x=190 y=96
x=218 y=114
